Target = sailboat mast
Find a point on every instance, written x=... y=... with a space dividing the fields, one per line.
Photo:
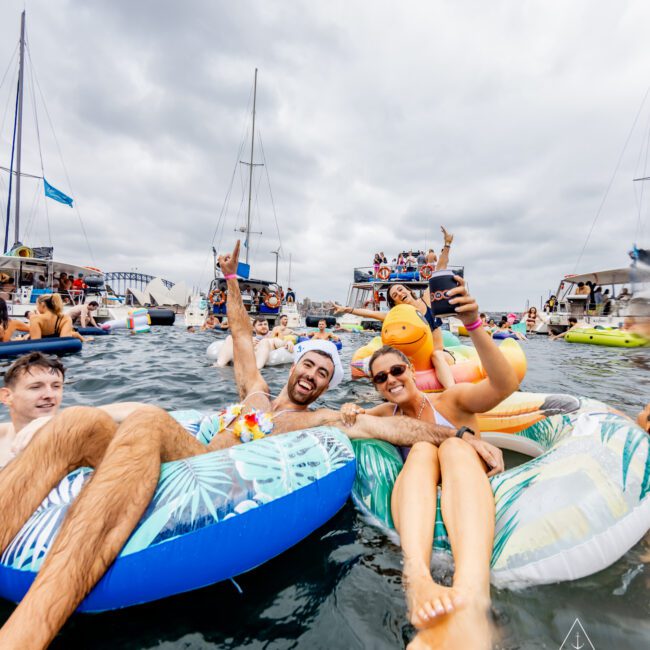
x=250 y=172
x=19 y=133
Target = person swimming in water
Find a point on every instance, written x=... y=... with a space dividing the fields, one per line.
x=322 y=334
x=456 y=616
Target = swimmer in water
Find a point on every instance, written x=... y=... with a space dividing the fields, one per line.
x=322 y=334
x=282 y=329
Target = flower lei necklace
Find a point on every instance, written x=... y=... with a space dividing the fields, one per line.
x=251 y=426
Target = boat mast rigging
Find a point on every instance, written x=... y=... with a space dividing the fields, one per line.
x=19 y=134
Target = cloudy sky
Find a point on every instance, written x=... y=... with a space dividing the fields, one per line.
x=380 y=121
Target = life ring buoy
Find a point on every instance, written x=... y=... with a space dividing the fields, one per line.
x=217 y=297
x=383 y=273
x=272 y=301
x=426 y=271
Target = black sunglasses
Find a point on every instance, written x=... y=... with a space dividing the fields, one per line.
x=397 y=371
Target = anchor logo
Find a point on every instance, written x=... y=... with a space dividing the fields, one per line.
x=577 y=638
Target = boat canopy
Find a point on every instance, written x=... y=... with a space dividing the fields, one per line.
x=27 y=264
x=615 y=276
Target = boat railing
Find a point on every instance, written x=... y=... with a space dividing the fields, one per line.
x=395 y=272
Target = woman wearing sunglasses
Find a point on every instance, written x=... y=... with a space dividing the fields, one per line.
x=398 y=294
x=457 y=615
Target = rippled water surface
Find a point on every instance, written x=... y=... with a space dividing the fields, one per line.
x=340 y=588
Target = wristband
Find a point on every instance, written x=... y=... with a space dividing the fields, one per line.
x=230 y=276
x=462 y=431
x=474 y=326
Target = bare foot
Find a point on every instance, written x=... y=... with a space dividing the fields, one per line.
x=468 y=628
x=427 y=601
x=448 y=238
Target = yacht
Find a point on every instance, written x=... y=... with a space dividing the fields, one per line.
x=369 y=288
x=622 y=303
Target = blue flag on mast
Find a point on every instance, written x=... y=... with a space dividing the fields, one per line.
x=55 y=194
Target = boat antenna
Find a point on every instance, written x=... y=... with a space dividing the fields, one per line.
x=19 y=133
x=250 y=172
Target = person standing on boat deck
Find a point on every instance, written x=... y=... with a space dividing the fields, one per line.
x=127 y=468
x=291 y=296
x=460 y=613
x=431 y=258
x=398 y=294
x=82 y=315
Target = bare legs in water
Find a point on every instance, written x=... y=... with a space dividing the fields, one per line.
x=446 y=617
x=127 y=462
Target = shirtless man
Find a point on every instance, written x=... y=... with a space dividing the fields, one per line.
x=574 y=324
x=127 y=467
x=263 y=344
x=282 y=329
x=322 y=334
x=82 y=315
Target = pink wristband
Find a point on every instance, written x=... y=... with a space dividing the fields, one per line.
x=231 y=276
x=474 y=326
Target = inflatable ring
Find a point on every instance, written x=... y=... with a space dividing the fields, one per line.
x=277 y=357
x=21 y=251
x=212 y=516
x=575 y=508
x=272 y=301
x=217 y=297
x=383 y=273
x=426 y=271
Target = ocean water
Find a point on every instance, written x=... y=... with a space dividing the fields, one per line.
x=341 y=587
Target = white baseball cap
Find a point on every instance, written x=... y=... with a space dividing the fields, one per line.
x=321 y=346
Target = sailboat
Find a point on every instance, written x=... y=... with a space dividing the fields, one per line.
x=25 y=271
x=261 y=297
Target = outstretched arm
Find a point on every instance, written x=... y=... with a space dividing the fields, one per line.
x=247 y=375
x=398 y=430
x=364 y=313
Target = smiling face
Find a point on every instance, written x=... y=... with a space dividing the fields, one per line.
x=36 y=392
x=400 y=294
x=398 y=390
x=310 y=378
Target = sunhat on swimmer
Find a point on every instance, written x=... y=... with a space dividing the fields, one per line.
x=326 y=347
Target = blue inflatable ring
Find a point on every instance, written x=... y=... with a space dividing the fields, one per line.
x=212 y=516
x=55 y=345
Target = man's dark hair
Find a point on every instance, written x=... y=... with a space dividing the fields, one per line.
x=259 y=319
x=25 y=363
x=573 y=320
x=93 y=303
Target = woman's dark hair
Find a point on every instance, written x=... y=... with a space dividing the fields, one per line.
x=25 y=363
x=389 y=298
x=4 y=314
x=387 y=349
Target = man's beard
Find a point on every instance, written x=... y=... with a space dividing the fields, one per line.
x=298 y=398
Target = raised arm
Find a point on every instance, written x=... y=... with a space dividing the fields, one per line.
x=247 y=375
x=501 y=380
